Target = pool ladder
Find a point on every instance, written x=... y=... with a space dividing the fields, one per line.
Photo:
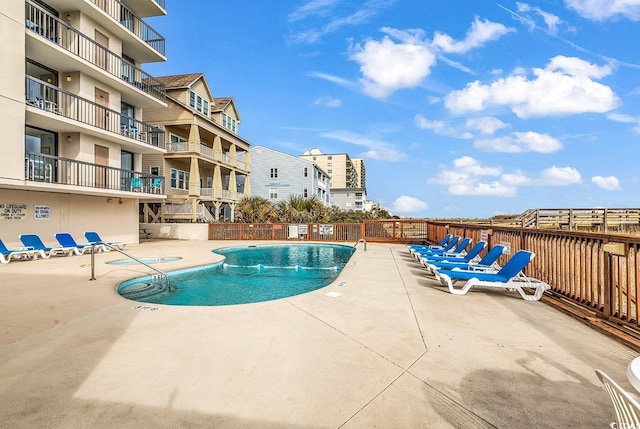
x=155 y=278
x=362 y=240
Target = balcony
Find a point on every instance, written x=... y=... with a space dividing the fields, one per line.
x=129 y=20
x=59 y=103
x=85 y=51
x=220 y=194
x=206 y=152
x=43 y=168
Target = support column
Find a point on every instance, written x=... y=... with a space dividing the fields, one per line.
x=217 y=205
x=194 y=178
x=194 y=139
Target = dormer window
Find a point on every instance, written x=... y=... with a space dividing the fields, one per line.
x=229 y=123
x=198 y=103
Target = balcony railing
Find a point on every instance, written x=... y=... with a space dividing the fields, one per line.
x=39 y=167
x=219 y=194
x=52 y=99
x=205 y=151
x=62 y=34
x=133 y=23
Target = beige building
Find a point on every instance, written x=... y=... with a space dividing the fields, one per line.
x=71 y=102
x=348 y=180
x=206 y=163
x=337 y=165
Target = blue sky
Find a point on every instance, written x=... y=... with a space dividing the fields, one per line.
x=459 y=108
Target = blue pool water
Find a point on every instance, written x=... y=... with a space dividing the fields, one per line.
x=248 y=274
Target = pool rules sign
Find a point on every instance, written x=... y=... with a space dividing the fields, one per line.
x=42 y=212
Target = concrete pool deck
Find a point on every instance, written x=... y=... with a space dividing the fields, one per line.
x=388 y=348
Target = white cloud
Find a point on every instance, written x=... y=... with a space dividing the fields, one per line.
x=376 y=149
x=468 y=176
x=440 y=127
x=564 y=87
x=334 y=19
x=600 y=10
x=479 y=33
x=327 y=101
x=485 y=124
x=406 y=204
x=621 y=117
x=387 y=66
x=551 y=21
x=520 y=142
x=610 y=183
x=559 y=176
x=311 y=8
x=332 y=78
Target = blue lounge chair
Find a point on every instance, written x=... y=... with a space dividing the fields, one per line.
x=487 y=263
x=417 y=252
x=33 y=241
x=93 y=237
x=440 y=245
x=6 y=255
x=66 y=240
x=509 y=277
x=458 y=249
x=456 y=257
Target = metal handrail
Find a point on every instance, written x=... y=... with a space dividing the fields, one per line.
x=102 y=243
x=50 y=98
x=43 y=23
x=133 y=23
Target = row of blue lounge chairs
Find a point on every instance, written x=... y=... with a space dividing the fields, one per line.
x=450 y=263
x=34 y=247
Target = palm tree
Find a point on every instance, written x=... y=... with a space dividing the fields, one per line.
x=255 y=209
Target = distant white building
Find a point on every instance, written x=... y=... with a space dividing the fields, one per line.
x=276 y=176
x=350 y=199
x=348 y=178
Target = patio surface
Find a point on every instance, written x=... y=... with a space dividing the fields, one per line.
x=394 y=350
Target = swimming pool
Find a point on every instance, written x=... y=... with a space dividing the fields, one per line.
x=248 y=274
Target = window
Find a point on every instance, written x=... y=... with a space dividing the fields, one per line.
x=273 y=173
x=179 y=179
x=199 y=104
x=329 y=164
x=329 y=171
x=205 y=107
x=154 y=170
x=192 y=99
x=176 y=139
x=305 y=193
x=306 y=172
x=329 y=157
x=229 y=123
x=273 y=193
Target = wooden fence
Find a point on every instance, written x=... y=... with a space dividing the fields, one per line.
x=593 y=276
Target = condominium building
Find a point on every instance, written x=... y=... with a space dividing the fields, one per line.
x=71 y=102
x=361 y=171
x=337 y=165
x=277 y=176
x=206 y=163
x=348 y=188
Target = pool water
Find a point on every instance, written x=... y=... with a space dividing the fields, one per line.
x=248 y=274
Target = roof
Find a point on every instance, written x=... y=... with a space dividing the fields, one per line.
x=221 y=103
x=179 y=80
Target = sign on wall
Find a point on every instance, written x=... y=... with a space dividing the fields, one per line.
x=42 y=212
x=10 y=211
